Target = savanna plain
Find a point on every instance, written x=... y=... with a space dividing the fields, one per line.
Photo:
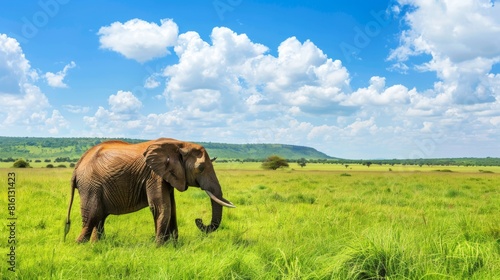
x=317 y=222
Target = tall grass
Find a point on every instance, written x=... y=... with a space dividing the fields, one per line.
x=288 y=224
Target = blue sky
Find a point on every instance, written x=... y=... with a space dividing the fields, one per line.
x=353 y=79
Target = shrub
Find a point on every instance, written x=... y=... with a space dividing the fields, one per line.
x=21 y=163
x=274 y=162
x=302 y=162
x=50 y=165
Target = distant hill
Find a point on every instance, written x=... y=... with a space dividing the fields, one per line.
x=48 y=148
x=262 y=151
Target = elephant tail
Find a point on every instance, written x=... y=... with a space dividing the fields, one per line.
x=68 y=221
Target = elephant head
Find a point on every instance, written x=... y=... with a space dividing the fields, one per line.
x=184 y=164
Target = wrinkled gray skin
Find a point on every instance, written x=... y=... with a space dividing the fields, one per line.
x=116 y=177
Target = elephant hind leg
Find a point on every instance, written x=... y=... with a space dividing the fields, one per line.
x=98 y=231
x=93 y=223
x=93 y=230
x=85 y=234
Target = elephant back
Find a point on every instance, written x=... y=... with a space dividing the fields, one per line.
x=107 y=159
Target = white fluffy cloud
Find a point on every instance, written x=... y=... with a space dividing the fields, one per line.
x=462 y=39
x=124 y=102
x=15 y=69
x=235 y=74
x=23 y=108
x=56 y=79
x=378 y=94
x=55 y=122
x=139 y=40
x=122 y=117
x=209 y=77
x=23 y=103
x=151 y=82
x=461 y=31
x=302 y=76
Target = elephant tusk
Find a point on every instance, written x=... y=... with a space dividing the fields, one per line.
x=223 y=203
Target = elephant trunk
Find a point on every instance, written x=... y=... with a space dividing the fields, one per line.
x=217 y=203
x=216 y=219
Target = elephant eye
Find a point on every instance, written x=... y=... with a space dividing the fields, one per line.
x=201 y=167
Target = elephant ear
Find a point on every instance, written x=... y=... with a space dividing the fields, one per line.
x=165 y=160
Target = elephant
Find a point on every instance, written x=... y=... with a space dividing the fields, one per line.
x=117 y=177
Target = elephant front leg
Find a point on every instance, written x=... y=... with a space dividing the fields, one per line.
x=172 y=230
x=164 y=228
x=163 y=211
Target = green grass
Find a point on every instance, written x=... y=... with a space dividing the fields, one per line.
x=306 y=223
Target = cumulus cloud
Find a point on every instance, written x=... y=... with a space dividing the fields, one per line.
x=55 y=122
x=122 y=117
x=23 y=103
x=124 y=102
x=232 y=71
x=208 y=76
x=15 y=69
x=378 y=94
x=20 y=108
x=56 y=79
x=304 y=77
x=462 y=39
x=360 y=125
x=151 y=82
x=138 y=39
x=460 y=31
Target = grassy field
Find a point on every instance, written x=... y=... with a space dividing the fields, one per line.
x=317 y=222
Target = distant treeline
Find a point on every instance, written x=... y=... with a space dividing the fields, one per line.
x=70 y=150
x=47 y=148
x=489 y=161
x=59 y=159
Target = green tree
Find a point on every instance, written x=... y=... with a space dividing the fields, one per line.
x=274 y=162
x=21 y=163
x=302 y=162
